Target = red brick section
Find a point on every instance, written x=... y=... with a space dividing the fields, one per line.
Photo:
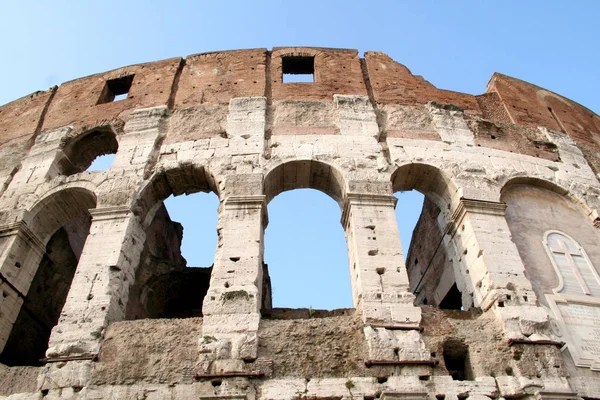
x=215 y=78
x=336 y=72
x=492 y=108
x=20 y=119
x=532 y=106
x=393 y=83
x=502 y=134
x=76 y=102
x=513 y=108
x=521 y=102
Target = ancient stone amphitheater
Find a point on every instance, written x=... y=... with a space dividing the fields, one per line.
x=498 y=297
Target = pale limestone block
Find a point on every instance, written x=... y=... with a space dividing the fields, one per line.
x=65 y=375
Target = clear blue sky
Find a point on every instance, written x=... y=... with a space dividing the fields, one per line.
x=455 y=45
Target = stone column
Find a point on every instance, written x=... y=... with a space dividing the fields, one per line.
x=21 y=254
x=491 y=267
x=379 y=278
x=232 y=305
x=100 y=287
x=380 y=281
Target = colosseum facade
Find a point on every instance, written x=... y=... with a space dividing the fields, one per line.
x=498 y=296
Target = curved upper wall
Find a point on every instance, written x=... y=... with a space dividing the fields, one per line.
x=505 y=117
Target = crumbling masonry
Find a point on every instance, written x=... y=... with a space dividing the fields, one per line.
x=498 y=297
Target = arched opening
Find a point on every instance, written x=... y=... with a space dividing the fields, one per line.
x=176 y=262
x=90 y=151
x=62 y=223
x=305 y=249
x=554 y=237
x=305 y=245
x=424 y=197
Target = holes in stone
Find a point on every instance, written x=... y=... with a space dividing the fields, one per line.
x=500 y=304
x=116 y=89
x=456 y=359
x=4 y=294
x=508 y=297
x=298 y=69
x=380 y=270
x=382 y=379
x=216 y=383
x=424 y=377
x=77 y=389
x=45 y=392
x=493 y=137
x=396 y=353
x=234 y=259
x=373 y=252
x=525 y=298
x=18 y=265
x=509 y=371
x=440 y=396
x=226 y=284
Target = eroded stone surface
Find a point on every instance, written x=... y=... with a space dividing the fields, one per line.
x=500 y=171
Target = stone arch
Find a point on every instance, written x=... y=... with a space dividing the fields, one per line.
x=432 y=276
x=535 y=181
x=42 y=261
x=536 y=207
x=81 y=150
x=57 y=207
x=429 y=180
x=302 y=174
x=164 y=286
x=305 y=174
x=184 y=179
x=548 y=185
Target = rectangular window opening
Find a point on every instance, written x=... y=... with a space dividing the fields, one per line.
x=116 y=89
x=298 y=69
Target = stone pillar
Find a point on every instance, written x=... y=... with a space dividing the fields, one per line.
x=100 y=287
x=491 y=267
x=379 y=279
x=232 y=305
x=20 y=258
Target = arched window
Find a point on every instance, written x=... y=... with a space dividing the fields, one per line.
x=576 y=273
x=96 y=147
x=175 y=265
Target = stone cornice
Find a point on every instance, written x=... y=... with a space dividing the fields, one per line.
x=108 y=213
x=251 y=202
x=475 y=207
x=20 y=228
x=365 y=199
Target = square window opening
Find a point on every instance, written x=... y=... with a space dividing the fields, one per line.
x=298 y=69
x=116 y=89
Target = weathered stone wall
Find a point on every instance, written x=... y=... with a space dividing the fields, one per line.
x=226 y=122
